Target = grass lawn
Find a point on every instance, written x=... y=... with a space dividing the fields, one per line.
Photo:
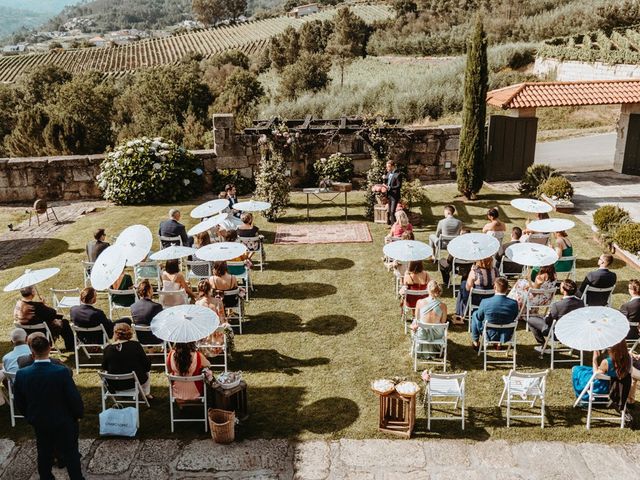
x=323 y=323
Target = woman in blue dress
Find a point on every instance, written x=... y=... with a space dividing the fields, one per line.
x=616 y=365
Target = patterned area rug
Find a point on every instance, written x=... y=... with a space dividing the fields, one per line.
x=328 y=233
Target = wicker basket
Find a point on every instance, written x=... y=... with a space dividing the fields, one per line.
x=222 y=425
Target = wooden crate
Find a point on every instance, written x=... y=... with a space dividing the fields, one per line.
x=380 y=214
x=231 y=399
x=397 y=414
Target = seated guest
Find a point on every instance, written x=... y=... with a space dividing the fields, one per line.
x=494 y=227
x=499 y=310
x=616 y=365
x=205 y=299
x=540 y=326
x=86 y=315
x=28 y=358
x=446 y=264
x=526 y=235
x=631 y=309
x=415 y=278
x=143 y=311
x=601 y=278
x=509 y=267
x=545 y=280
x=173 y=281
x=173 y=228
x=18 y=340
x=401 y=225
x=97 y=246
x=247 y=229
x=28 y=311
x=232 y=196
x=429 y=310
x=201 y=239
x=125 y=356
x=123 y=282
x=563 y=248
x=184 y=360
x=449 y=226
x=221 y=281
x=482 y=276
x=222 y=194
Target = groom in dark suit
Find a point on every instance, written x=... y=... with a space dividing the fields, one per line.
x=49 y=400
x=393 y=180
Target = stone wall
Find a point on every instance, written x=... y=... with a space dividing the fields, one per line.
x=429 y=154
x=571 y=71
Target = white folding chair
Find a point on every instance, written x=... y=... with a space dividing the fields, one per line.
x=133 y=396
x=63 y=300
x=409 y=312
x=486 y=344
x=196 y=402
x=598 y=399
x=440 y=331
x=114 y=307
x=530 y=309
x=572 y=272
x=170 y=240
x=152 y=349
x=441 y=246
x=539 y=238
x=471 y=307
x=449 y=386
x=505 y=262
x=255 y=245
x=398 y=275
x=80 y=345
x=556 y=347
x=242 y=273
x=198 y=270
x=11 y=378
x=147 y=271
x=235 y=311
x=453 y=278
x=86 y=272
x=520 y=387
x=39 y=327
x=589 y=289
x=206 y=348
x=168 y=298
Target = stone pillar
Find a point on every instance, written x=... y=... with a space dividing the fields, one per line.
x=223 y=130
x=621 y=131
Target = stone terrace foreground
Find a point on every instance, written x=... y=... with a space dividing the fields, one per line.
x=375 y=459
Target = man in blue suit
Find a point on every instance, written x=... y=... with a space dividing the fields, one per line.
x=499 y=310
x=47 y=397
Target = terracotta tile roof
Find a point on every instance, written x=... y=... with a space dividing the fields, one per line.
x=566 y=94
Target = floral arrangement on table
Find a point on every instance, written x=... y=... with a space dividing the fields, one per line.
x=272 y=180
x=336 y=168
x=150 y=170
x=385 y=386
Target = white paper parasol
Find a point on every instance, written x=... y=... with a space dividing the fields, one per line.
x=136 y=242
x=252 y=206
x=531 y=206
x=108 y=267
x=551 y=225
x=209 y=208
x=531 y=254
x=31 y=277
x=407 y=250
x=173 y=252
x=473 y=246
x=221 y=251
x=592 y=328
x=207 y=224
x=184 y=323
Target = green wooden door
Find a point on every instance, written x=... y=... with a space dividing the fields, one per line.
x=511 y=147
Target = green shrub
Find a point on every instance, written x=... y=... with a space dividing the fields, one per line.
x=627 y=236
x=608 y=217
x=144 y=171
x=337 y=167
x=534 y=177
x=221 y=178
x=413 y=193
x=557 y=187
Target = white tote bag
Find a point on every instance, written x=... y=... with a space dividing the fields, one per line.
x=119 y=422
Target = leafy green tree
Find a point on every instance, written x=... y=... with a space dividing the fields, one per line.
x=8 y=106
x=235 y=8
x=210 y=12
x=25 y=139
x=241 y=94
x=470 y=170
x=41 y=84
x=348 y=39
x=233 y=57
x=309 y=73
x=402 y=7
x=290 y=39
x=277 y=54
x=314 y=36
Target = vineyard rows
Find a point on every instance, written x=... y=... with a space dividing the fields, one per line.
x=620 y=47
x=249 y=37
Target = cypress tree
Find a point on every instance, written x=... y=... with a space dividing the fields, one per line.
x=470 y=170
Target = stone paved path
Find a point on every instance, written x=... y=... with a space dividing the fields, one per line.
x=13 y=244
x=343 y=459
